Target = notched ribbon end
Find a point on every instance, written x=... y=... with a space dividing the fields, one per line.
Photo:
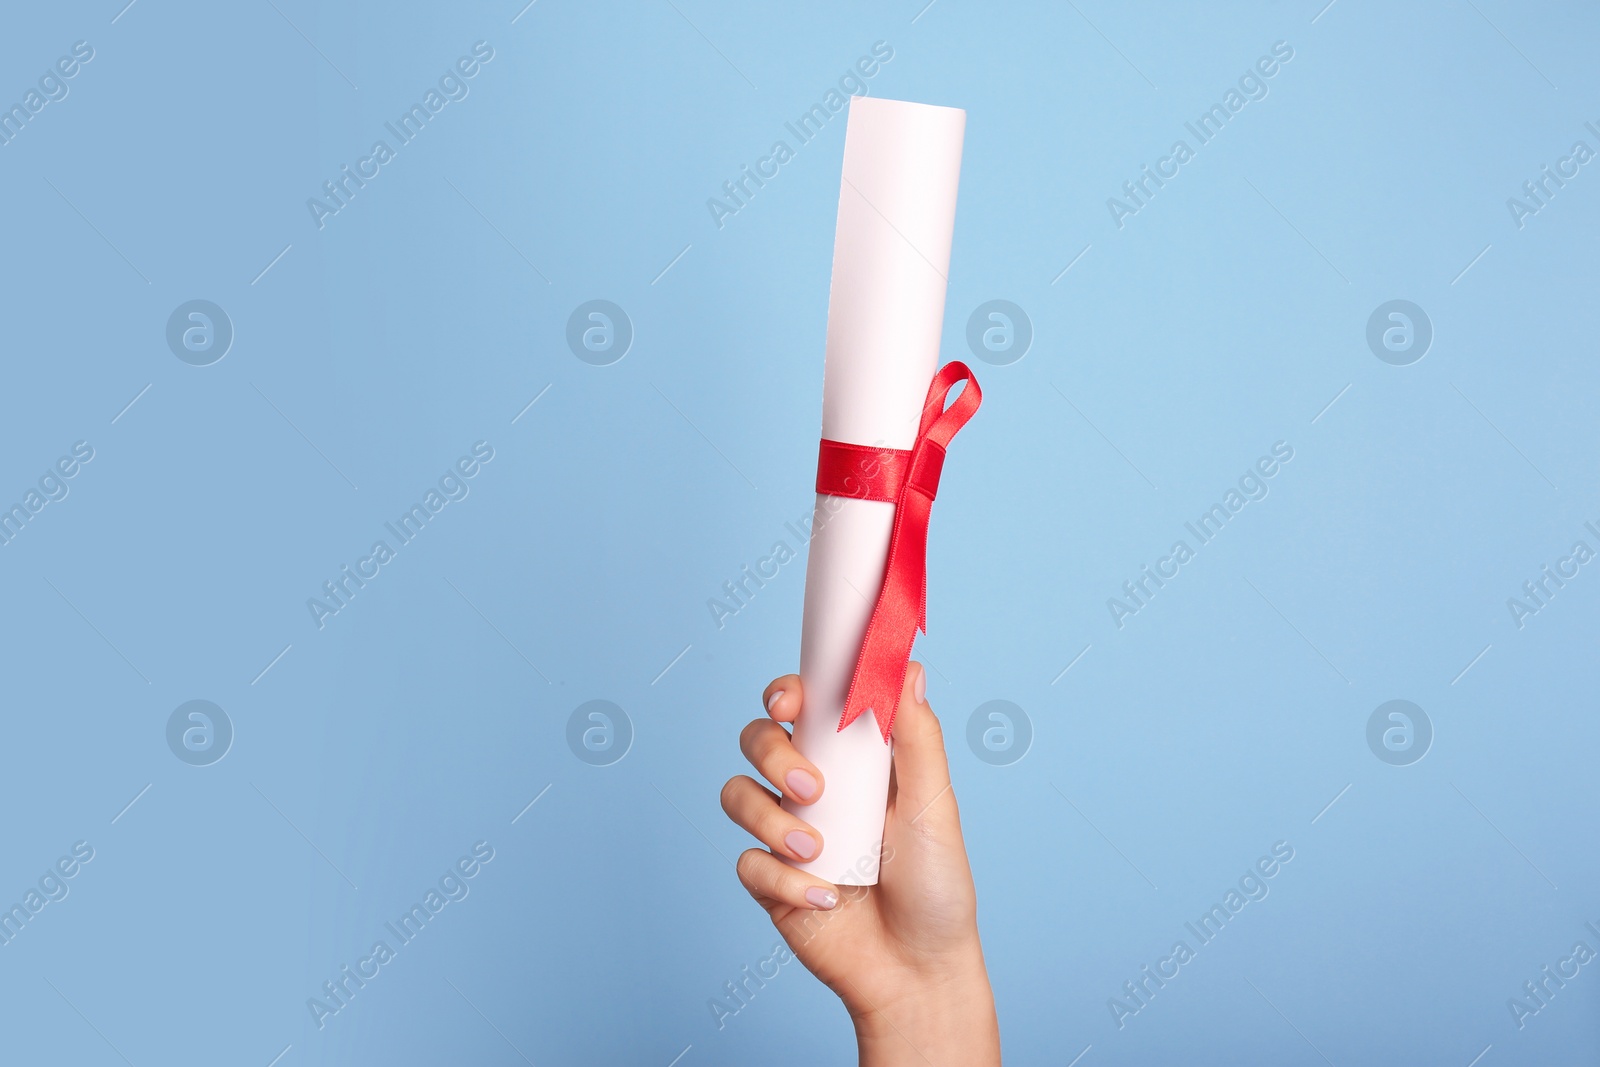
x=909 y=478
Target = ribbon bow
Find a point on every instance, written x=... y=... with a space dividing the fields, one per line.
x=909 y=479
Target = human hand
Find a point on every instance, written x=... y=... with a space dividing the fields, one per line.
x=903 y=955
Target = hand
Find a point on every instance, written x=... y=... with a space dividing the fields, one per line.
x=903 y=955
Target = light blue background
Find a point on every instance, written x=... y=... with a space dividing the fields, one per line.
x=1225 y=316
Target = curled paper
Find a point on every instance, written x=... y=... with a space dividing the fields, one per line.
x=891 y=256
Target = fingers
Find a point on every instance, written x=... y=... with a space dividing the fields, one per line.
x=767 y=745
x=921 y=771
x=781 y=698
x=757 y=810
x=770 y=750
x=773 y=883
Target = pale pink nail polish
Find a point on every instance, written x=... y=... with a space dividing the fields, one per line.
x=919 y=688
x=772 y=701
x=800 y=843
x=823 y=899
x=801 y=784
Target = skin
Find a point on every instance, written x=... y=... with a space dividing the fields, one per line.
x=903 y=955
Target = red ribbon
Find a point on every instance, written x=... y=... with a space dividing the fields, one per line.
x=909 y=479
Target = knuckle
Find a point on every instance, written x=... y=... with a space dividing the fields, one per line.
x=730 y=790
x=775 y=823
x=790 y=884
x=751 y=731
x=767 y=742
x=748 y=863
x=929 y=729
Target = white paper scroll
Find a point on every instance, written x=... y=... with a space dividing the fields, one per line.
x=891 y=255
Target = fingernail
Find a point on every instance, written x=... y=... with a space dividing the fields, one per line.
x=772 y=701
x=823 y=899
x=919 y=687
x=800 y=843
x=801 y=784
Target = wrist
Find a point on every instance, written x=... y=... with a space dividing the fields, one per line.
x=947 y=1018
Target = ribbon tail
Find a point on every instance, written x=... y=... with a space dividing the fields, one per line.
x=902 y=605
x=880 y=671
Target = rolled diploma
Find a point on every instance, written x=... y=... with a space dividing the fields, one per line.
x=891 y=256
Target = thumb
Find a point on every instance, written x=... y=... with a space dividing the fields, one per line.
x=921 y=770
